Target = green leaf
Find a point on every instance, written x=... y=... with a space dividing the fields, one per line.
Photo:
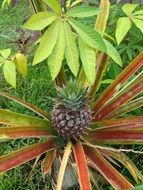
x=40 y=20
x=87 y=55
x=21 y=62
x=5 y=53
x=83 y=11
x=139 y=17
x=138 y=187
x=129 y=8
x=88 y=35
x=47 y=43
x=138 y=23
x=54 y=5
x=9 y=71
x=55 y=59
x=140 y=12
x=113 y=53
x=71 y=50
x=123 y=26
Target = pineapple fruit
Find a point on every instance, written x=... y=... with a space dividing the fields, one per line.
x=71 y=114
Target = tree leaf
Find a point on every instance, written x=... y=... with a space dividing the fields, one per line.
x=40 y=20
x=113 y=53
x=88 y=35
x=129 y=8
x=47 y=43
x=21 y=62
x=140 y=12
x=56 y=58
x=87 y=55
x=54 y=5
x=9 y=71
x=138 y=23
x=5 y=53
x=123 y=26
x=71 y=50
x=83 y=11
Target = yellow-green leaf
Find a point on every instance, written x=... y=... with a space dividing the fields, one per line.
x=140 y=17
x=56 y=58
x=83 y=11
x=54 y=5
x=9 y=71
x=21 y=62
x=113 y=53
x=88 y=35
x=87 y=55
x=123 y=26
x=140 y=12
x=5 y=53
x=40 y=20
x=129 y=8
x=71 y=50
x=138 y=23
x=47 y=43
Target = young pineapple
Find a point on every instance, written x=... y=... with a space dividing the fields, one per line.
x=71 y=114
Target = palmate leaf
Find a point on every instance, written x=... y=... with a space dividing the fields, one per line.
x=113 y=53
x=17 y=119
x=87 y=55
x=82 y=167
x=28 y=105
x=71 y=50
x=121 y=79
x=14 y=132
x=47 y=43
x=54 y=5
x=138 y=23
x=40 y=20
x=9 y=71
x=56 y=58
x=83 y=11
x=106 y=169
x=23 y=155
x=88 y=35
x=123 y=26
x=129 y=8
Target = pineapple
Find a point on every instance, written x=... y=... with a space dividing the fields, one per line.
x=71 y=114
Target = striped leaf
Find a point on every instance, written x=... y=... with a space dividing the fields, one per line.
x=23 y=155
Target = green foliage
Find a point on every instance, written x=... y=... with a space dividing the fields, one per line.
x=124 y=23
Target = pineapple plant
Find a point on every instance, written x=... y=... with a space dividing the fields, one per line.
x=94 y=121
x=71 y=114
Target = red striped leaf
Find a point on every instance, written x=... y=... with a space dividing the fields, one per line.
x=115 y=137
x=12 y=118
x=107 y=170
x=24 y=132
x=121 y=79
x=82 y=167
x=23 y=155
x=50 y=157
x=27 y=105
x=124 y=97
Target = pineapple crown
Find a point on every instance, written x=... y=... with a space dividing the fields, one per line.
x=72 y=96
